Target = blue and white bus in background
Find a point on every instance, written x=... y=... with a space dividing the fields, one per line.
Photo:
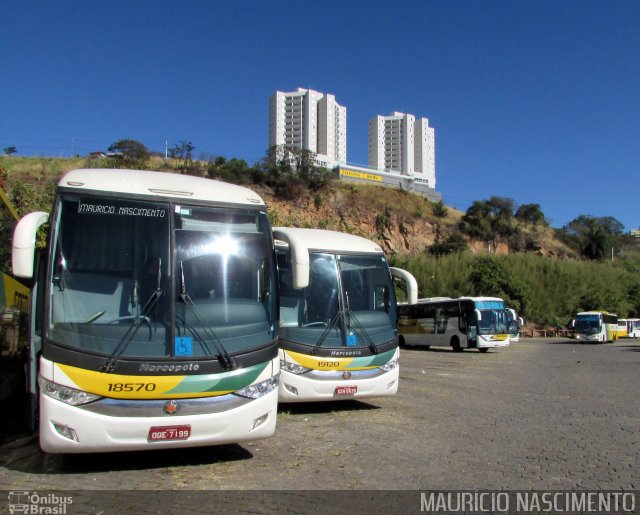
x=461 y=323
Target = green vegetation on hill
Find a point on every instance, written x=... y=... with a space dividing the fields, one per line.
x=546 y=274
x=545 y=290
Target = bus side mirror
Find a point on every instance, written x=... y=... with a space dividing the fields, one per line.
x=299 y=257
x=520 y=321
x=24 y=243
x=410 y=282
x=478 y=315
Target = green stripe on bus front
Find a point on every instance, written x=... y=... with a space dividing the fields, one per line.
x=225 y=382
x=372 y=361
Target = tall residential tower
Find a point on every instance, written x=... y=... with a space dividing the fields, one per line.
x=401 y=143
x=309 y=120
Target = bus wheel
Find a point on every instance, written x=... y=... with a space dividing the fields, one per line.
x=455 y=344
x=484 y=349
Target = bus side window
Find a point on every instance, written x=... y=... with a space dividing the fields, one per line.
x=462 y=323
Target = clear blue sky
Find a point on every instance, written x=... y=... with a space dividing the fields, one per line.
x=538 y=101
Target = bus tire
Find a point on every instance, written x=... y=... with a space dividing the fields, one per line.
x=401 y=341
x=483 y=349
x=455 y=344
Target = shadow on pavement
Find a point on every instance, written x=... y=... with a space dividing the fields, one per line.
x=24 y=455
x=424 y=348
x=306 y=408
x=563 y=342
x=632 y=348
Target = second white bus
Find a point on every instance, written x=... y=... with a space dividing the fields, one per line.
x=338 y=317
x=461 y=323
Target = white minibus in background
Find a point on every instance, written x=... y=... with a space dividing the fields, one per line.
x=154 y=313
x=338 y=317
x=460 y=323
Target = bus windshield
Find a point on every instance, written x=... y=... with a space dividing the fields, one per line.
x=513 y=325
x=349 y=302
x=493 y=318
x=587 y=324
x=159 y=280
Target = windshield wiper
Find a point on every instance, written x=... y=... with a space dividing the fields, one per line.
x=363 y=331
x=138 y=320
x=325 y=333
x=225 y=359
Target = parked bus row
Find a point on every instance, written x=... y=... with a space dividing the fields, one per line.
x=163 y=314
x=601 y=326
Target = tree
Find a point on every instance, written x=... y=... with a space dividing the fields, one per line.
x=289 y=171
x=129 y=152
x=593 y=237
x=10 y=150
x=489 y=277
x=476 y=222
x=530 y=214
x=454 y=243
x=182 y=152
x=440 y=209
x=595 y=243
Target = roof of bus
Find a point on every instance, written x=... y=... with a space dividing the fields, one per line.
x=444 y=299
x=331 y=241
x=159 y=184
x=596 y=313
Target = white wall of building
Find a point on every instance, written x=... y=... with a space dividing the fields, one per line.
x=309 y=120
x=425 y=152
x=399 y=143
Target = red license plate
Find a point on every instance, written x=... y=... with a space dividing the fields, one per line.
x=346 y=390
x=165 y=433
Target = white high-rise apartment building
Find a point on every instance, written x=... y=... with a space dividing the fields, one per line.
x=400 y=143
x=309 y=120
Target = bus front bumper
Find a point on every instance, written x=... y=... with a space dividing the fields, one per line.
x=128 y=426
x=319 y=385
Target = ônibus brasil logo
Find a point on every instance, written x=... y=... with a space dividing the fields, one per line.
x=21 y=501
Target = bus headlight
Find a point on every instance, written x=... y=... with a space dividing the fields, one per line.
x=390 y=365
x=294 y=368
x=64 y=393
x=255 y=391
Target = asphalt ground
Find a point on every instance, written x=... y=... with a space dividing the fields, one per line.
x=543 y=414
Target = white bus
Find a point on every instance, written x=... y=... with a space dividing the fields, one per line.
x=632 y=326
x=154 y=313
x=514 y=322
x=460 y=323
x=338 y=316
x=596 y=326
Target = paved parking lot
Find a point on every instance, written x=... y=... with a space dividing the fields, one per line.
x=542 y=414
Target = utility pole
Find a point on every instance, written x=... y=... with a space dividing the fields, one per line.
x=166 y=149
